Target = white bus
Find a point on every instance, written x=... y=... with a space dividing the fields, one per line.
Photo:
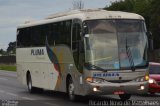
x=84 y=52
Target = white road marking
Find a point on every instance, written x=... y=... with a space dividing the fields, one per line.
x=3 y=79
x=47 y=103
x=12 y=89
x=12 y=94
x=28 y=98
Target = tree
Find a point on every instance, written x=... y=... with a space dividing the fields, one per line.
x=78 y=4
x=11 y=48
x=153 y=12
x=123 y=5
x=149 y=9
x=2 y=52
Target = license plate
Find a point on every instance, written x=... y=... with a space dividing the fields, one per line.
x=118 y=92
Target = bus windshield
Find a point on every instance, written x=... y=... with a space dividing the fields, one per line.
x=116 y=44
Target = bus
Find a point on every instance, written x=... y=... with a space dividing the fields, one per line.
x=84 y=52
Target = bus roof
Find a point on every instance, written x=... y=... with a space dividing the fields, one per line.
x=84 y=14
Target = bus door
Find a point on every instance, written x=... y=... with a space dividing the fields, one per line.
x=77 y=50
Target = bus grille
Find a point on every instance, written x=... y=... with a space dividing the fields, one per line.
x=119 y=81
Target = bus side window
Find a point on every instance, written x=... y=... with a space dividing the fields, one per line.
x=49 y=33
x=19 y=38
x=38 y=39
x=23 y=37
x=75 y=35
x=77 y=44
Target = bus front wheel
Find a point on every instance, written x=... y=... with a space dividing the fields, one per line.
x=125 y=97
x=70 y=89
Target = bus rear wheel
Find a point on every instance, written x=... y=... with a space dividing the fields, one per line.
x=125 y=97
x=31 y=89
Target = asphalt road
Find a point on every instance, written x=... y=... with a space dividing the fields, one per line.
x=12 y=93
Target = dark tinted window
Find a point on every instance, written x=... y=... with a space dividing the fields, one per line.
x=154 y=69
x=59 y=33
x=66 y=35
x=35 y=36
x=19 y=38
x=62 y=32
x=38 y=35
x=24 y=37
x=76 y=33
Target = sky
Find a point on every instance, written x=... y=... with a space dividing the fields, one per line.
x=15 y=12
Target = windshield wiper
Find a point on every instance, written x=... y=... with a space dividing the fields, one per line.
x=129 y=55
x=95 y=67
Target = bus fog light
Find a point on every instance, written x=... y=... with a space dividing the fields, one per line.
x=95 y=89
x=142 y=87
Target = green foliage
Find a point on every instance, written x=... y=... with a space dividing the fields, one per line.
x=2 y=52
x=155 y=21
x=11 y=48
x=149 y=9
x=8 y=67
x=126 y=6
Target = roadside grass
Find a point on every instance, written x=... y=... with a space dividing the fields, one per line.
x=7 y=67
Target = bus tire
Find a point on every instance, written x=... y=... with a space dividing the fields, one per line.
x=125 y=97
x=70 y=89
x=31 y=89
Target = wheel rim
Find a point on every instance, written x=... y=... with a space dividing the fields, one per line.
x=29 y=84
x=71 y=91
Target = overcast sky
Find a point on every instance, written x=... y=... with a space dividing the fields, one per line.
x=14 y=12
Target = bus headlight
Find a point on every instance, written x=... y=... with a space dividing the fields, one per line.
x=94 y=80
x=140 y=79
x=151 y=81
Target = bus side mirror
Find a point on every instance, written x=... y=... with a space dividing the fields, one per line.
x=150 y=40
x=85 y=30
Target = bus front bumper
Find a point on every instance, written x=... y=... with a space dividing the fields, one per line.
x=117 y=88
